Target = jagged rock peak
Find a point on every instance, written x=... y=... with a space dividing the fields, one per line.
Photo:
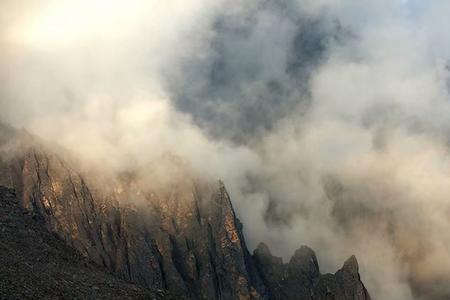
x=351 y=265
x=305 y=259
x=301 y=278
x=262 y=250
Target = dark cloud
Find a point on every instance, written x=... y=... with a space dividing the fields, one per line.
x=256 y=71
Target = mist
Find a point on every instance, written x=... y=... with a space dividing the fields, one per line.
x=327 y=120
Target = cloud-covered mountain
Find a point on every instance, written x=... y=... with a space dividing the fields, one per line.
x=326 y=120
x=158 y=227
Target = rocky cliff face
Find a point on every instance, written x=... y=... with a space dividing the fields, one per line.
x=168 y=232
x=36 y=264
x=301 y=278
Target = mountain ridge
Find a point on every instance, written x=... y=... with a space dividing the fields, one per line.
x=184 y=237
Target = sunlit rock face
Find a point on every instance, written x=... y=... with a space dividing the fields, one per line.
x=161 y=228
x=182 y=236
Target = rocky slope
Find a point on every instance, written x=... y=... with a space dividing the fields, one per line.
x=36 y=264
x=160 y=228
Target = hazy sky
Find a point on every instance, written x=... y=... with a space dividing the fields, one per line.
x=328 y=120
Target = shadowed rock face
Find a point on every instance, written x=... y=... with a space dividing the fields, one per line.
x=174 y=233
x=301 y=278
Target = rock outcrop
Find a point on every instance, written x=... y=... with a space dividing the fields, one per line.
x=301 y=278
x=163 y=231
